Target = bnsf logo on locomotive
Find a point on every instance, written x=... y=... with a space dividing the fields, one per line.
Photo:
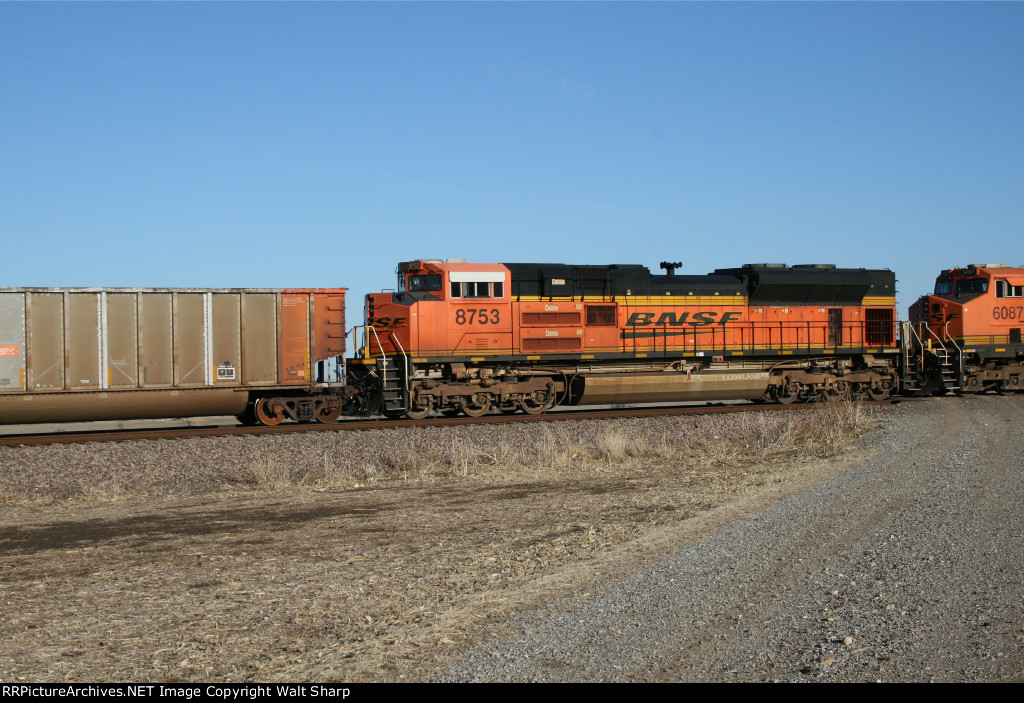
x=383 y=323
x=699 y=319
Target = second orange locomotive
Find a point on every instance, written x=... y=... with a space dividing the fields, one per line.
x=461 y=337
x=966 y=336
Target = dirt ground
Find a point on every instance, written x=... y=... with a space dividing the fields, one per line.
x=384 y=582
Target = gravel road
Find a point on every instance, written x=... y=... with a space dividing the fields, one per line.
x=906 y=568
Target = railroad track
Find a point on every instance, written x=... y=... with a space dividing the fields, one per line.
x=122 y=435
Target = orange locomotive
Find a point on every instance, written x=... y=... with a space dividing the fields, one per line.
x=966 y=337
x=461 y=337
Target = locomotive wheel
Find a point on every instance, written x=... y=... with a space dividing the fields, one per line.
x=420 y=412
x=788 y=394
x=327 y=414
x=355 y=405
x=476 y=405
x=269 y=412
x=879 y=393
x=829 y=395
x=533 y=407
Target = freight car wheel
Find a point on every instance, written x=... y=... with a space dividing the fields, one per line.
x=269 y=411
x=248 y=416
x=476 y=405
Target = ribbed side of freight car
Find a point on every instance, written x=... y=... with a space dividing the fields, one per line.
x=114 y=353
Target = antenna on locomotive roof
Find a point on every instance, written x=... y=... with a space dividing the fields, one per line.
x=671 y=266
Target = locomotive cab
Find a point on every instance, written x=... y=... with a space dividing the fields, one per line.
x=442 y=308
x=971 y=325
x=980 y=306
x=444 y=318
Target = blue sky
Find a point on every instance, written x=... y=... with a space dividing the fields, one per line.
x=317 y=144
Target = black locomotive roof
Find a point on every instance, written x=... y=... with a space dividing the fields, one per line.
x=821 y=284
x=555 y=280
x=766 y=284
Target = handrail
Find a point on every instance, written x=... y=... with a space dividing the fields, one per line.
x=913 y=330
x=960 y=352
x=949 y=339
x=915 y=337
x=384 y=379
x=384 y=356
x=405 y=358
x=939 y=339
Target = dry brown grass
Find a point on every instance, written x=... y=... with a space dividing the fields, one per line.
x=571 y=448
x=344 y=460
x=298 y=576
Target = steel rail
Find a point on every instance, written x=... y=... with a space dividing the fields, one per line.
x=122 y=435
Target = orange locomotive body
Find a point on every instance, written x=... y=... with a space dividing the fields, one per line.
x=463 y=337
x=967 y=335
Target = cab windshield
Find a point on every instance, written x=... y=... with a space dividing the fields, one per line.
x=967 y=286
x=427 y=282
x=971 y=286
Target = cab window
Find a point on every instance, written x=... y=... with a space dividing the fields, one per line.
x=1004 y=289
x=971 y=285
x=477 y=289
x=428 y=282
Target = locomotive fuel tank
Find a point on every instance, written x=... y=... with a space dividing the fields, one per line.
x=668 y=387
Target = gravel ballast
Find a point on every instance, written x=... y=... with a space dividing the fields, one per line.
x=751 y=547
x=905 y=568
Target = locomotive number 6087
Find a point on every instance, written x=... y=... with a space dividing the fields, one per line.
x=1008 y=312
